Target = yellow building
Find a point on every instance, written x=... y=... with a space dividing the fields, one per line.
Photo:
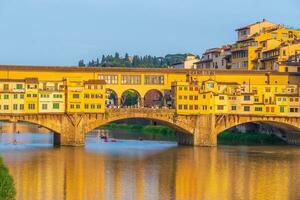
x=257 y=42
x=94 y=96
x=12 y=95
x=74 y=94
x=51 y=97
x=31 y=97
x=85 y=96
x=194 y=91
x=212 y=97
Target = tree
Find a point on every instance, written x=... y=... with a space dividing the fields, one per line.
x=7 y=186
x=81 y=63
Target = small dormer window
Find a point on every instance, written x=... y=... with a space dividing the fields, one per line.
x=210 y=85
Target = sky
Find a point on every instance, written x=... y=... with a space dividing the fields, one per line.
x=61 y=32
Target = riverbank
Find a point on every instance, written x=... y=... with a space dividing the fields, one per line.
x=149 y=132
x=7 y=187
x=238 y=138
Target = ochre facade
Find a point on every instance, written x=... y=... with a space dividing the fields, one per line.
x=71 y=101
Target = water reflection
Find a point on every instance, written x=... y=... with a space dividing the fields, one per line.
x=152 y=170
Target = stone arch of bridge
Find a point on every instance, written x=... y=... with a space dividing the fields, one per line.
x=290 y=132
x=99 y=123
x=184 y=136
x=278 y=124
x=33 y=122
x=53 y=129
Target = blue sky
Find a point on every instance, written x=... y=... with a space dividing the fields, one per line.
x=60 y=32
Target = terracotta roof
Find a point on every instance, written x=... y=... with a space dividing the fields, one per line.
x=248 y=26
x=12 y=80
x=98 y=82
x=133 y=70
x=31 y=80
x=213 y=50
x=290 y=63
x=228 y=83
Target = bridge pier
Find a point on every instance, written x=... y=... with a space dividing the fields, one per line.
x=204 y=132
x=72 y=130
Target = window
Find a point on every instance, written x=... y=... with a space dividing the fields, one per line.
x=28 y=95
x=191 y=107
x=221 y=97
x=93 y=106
x=44 y=106
x=19 y=86
x=196 y=97
x=31 y=106
x=258 y=109
x=131 y=79
x=86 y=96
x=191 y=97
x=72 y=106
x=268 y=89
x=185 y=107
x=86 y=106
x=55 y=105
x=294 y=110
x=109 y=79
x=279 y=99
x=180 y=97
x=75 y=96
x=98 y=106
x=233 y=108
x=21 y=96
x=34 y=95
x=272 y=109
x=180 y=107
x=281 y=109
x=6 y=96
x=220 y=107
x=256 y=99
x=15 y=106
x=246 y=108
x=77 y=106
x=196 y=107
x=21 y=106
x=5 y=107
x=246 y=98
x=5 y=87
x=154 y=80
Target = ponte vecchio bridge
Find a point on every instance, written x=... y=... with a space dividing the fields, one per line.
x=196 y=123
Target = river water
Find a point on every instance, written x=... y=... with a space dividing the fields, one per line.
x=151 y=170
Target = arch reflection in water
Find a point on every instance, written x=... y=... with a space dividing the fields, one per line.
x=155 y=170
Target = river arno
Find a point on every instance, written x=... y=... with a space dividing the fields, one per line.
x=149 y=170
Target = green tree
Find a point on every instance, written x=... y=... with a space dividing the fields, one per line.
x=7 y=187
